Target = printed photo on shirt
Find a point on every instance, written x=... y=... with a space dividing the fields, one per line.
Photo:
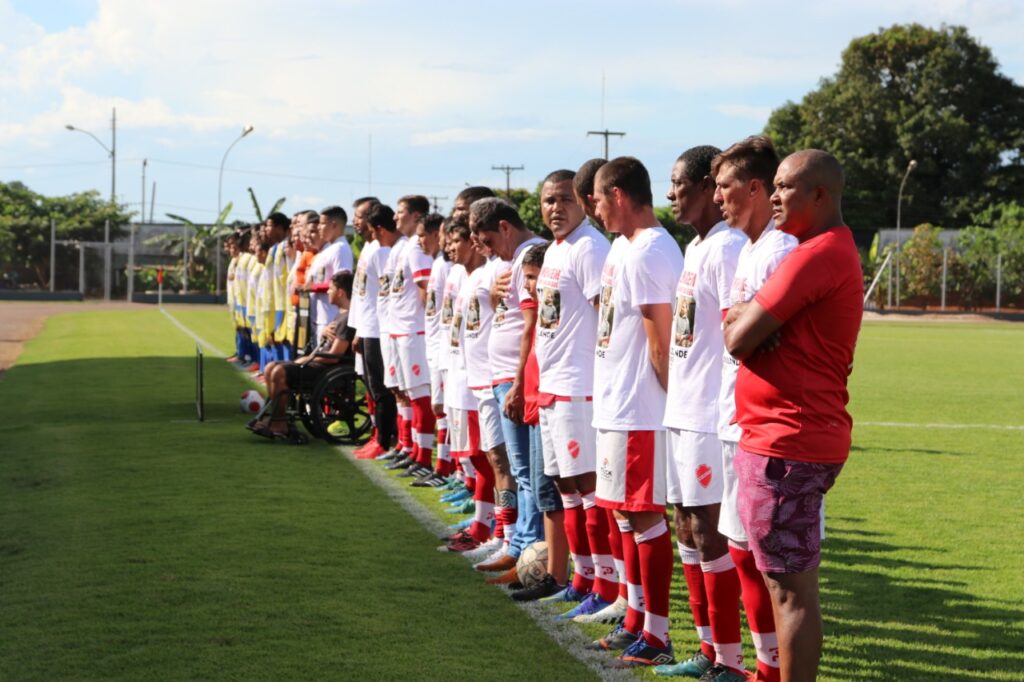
x=446 y=310
x=456 y=324
x=685 y=309
x=499 y=313
x=605 y=317
x=361 y=282
x=383 y=283
x=430 y=308
x=549 y=314
x=398 y=283
x=473 y=315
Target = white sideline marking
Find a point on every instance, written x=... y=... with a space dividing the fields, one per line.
x=566 y=635
x=913 y=425
x=177 y=323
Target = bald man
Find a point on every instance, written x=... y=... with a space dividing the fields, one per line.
x=796 y=341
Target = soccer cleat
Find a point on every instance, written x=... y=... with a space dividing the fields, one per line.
x=507 y=578
x=431 y=481
x=456 y=495
x=461 y=544
x=591 y=604
x=721 y=673
x=462 y=507
x=613 y=613
x=404 y=463
x=461 y=525
x=567 y=594
x=485 y=549
x=370 y=452
x=643 y=653
x=499 y=561
x=695 y=666
x=413 y=471
x=618 y=638
x=390 y=455
x=453 y=483
x=545 y=588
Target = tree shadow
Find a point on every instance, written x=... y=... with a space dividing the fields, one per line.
x=886 y=617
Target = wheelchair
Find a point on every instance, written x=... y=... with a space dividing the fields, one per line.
x=335 y=395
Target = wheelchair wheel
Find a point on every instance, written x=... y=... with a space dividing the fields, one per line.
x=305 y=410
x=339 y=398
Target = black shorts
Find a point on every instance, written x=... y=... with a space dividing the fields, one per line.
x=304 y=375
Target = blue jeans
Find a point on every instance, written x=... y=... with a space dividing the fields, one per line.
x=530 y=522
x=545 y=493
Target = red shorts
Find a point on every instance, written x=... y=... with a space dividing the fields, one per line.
x=780 y=507
x=631 y=470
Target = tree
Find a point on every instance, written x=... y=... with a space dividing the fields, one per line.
x=911 y=92
x=683 y=234
x=25 y=225
x=921 y=264
x=528 y=204
x=199 y=241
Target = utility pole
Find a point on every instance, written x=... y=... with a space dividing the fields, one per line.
x=142 y=213
x=433 y=201
x=605 y=134
x=508 y=170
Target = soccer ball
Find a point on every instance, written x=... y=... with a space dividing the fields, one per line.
x=251 y=402
x=532 y=565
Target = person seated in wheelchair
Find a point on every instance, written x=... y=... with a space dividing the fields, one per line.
x=285 y=378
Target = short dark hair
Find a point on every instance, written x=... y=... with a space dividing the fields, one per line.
x=311 y=215
x=416 y=203
x=535 y=256
x=754 y=158
x=474 y=193
x=362 y=200
x=459 y=226
x=264 y=245
x=486 y=213
x=697 y=161
x=432 y=222
x=243 y=236
x=278 y=219
x=343 y=280
x=583 y=183
x=560 y=175
x=381 y=216
x=629 y=175
x=336 y=214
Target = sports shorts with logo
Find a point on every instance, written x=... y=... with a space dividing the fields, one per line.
x=412 y=361
x=437 y=386
x=389 y=351
x=463 y=432
x=568 y=437
x=694 y=468
x=491 y=434
x=631 y=470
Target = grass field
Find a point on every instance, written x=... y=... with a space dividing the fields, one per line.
x=138 y=543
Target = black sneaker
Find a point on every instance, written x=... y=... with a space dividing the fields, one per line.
x=545 y=588
x=414 y=471
x=426 y=481
x=403 y=463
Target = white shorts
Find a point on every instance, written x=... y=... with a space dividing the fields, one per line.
x=729 y=523
x=491 y=435
x=463 y=432
x=631 y=470
x=359 y=364
x=436 y=386
x=694 y=468
x=568 y=438
x=389 y=352
x=412 y=361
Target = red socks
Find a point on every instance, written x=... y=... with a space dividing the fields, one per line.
x=634 y=621
x=483 y=495
x=615 y=540
x=423 y=424
x=579 y=546
x=760 y=617
x=723 y=587
x=654 y=546
x=698 y=597
x=605 y=584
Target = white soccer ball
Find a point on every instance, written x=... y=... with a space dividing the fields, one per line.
x=532 y=565
x=251 y=402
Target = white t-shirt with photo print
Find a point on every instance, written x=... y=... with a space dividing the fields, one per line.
x=432 y=310
x=507 y=324
x=695 y=353
x=627 y=393
x=406 y=307
x=757 y=261
x=566 y=318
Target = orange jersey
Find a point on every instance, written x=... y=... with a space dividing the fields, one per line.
x=300 y=272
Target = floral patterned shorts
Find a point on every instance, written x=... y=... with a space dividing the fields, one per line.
x=780 y=507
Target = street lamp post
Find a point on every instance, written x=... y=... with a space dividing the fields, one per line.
x=220 y=184
x=899 y=215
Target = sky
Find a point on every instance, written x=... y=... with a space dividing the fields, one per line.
x=349 y=98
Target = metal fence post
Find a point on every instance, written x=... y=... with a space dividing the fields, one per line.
x=53 y=256
x=130 y=271
x=999 y=279
x=217 y=256
x=184 y=259
x=81 y=268
x=945 y=264
x=106 y=260
x=888 y=289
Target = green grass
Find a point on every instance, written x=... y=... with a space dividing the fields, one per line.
x=136 y=542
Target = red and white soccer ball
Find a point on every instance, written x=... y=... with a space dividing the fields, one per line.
x=251 y=402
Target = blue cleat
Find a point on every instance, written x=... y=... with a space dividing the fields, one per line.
x=569 y=594
x=643 y=653
x=694 y=666
x=456 y=495
x=592 y=603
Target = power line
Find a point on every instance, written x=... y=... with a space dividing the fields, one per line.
x=433 y=201
x=508 y=170
x=605 y=134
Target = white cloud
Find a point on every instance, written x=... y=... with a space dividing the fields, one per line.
x=472 y=135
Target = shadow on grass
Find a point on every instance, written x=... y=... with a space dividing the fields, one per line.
x=886 y=617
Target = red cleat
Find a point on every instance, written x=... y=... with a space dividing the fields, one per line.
x=370 y=453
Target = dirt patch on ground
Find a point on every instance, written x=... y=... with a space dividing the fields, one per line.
x=20 y=321
x=934 y=317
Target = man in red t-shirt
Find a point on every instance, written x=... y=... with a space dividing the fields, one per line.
x=796 y=341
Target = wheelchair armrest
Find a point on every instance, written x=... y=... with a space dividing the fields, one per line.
x=332 y=356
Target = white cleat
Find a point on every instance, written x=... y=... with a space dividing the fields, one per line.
x=613 y=613
x=484 y=551
x=492 y=557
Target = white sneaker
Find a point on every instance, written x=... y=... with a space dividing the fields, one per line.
x=493 y=556
x=484 y=550
x=613 y=613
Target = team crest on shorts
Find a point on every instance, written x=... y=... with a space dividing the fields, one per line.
x=416 y=370
x=391 y=370
x=704 y=475
x=604 y=470
x=574 y=448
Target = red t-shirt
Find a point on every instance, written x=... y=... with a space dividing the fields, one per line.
x=791 y=402
x=531 y=382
